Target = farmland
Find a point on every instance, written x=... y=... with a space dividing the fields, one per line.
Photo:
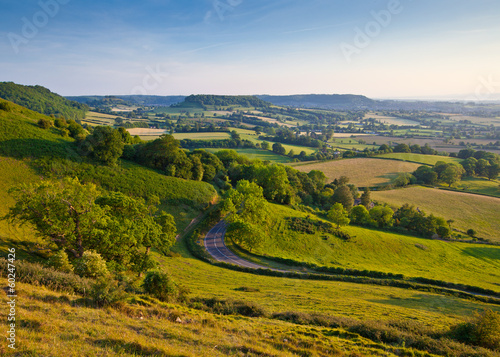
x=467 y=210
x=361 y=172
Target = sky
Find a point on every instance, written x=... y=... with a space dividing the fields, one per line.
x=437 y=49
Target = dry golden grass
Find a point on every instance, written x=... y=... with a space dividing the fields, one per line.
x=55 y=324
x=362 y=172
x=480 y=213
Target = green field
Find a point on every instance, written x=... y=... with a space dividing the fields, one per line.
x=480 y=213
x=257 y=154
x=361 y=172
x=296 y=148
x=420 y=158
x=382 y=251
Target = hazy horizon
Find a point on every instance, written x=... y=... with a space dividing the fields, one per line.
x=380 y=49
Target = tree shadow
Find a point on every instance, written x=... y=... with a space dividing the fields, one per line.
x=484 y=253
x=38 y=148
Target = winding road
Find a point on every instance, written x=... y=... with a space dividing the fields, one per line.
x=215 y=246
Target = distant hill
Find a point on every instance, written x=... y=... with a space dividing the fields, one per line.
x=227 y=100
x=360 y=102
x=325 y=101
x=139 y=100
x=42 y=100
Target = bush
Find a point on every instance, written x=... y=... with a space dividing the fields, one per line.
x=5 y=107
x=44 y=123
x=471 y=233
x=160 y=285
x=59 y=261
x=231 y=307
x=483 y=330
x=60 y=123
x=106 y=292
x=91 y=265
x=36 y=274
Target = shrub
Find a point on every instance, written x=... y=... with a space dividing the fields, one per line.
x=471 y=233
x=36 y=274
x=106 y=292
x=483 y=330
x=160 y=285
x=44 y=123
x=230 y=307
x=59 y=261
x=91 y=265
x=60 y=123
x=5 y=107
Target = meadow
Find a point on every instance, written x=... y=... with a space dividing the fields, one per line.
x=361 y=172
x=480 y=213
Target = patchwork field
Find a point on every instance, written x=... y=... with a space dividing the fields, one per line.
x=480 y=213
x=361 y=172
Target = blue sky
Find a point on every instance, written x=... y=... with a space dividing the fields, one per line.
x=382 y=49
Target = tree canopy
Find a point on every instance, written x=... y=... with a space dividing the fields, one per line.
x=79 y=217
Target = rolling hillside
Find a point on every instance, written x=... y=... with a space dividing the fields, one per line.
x=377 y=250
x=42 y=100
x=48 y=153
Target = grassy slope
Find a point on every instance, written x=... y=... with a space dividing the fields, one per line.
x=467 y=210
x=20 y=137
x=357 y=301
x=420 y=158
x=361 y=172
x=471 y=264
x=11 y=170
